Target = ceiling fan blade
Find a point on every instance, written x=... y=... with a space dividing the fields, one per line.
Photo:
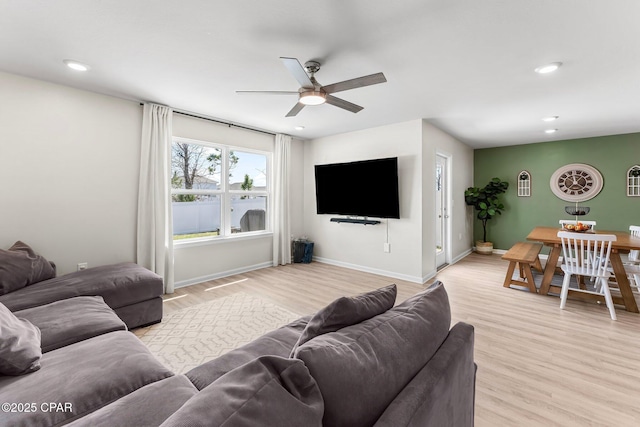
x=298 y=71
x=372 y=79
x=346 y=105
x=268 y=92
x=295 y=110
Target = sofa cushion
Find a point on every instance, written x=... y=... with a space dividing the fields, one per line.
x=360 y=369
x=443 y=392
x=347 y=311
x=268 y=391
x=148 y=406
x=20 y=266
x=19 y=344
x=72 y=320
x=275 y=343
x=82 y=377
x=119 y=284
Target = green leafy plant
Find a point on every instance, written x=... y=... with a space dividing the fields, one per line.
x=485 y=200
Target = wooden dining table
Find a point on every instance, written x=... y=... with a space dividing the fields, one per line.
x=623 y=244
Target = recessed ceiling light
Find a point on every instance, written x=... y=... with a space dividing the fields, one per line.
x=548 y=68
x=550 y=118
x=299 y=128
x=551 y=131
x=75 y=65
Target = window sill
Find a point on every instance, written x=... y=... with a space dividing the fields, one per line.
x=217 y=240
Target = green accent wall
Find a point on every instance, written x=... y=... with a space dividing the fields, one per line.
x=612 y=209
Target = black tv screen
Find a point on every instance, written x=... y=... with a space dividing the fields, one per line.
x=367 y=188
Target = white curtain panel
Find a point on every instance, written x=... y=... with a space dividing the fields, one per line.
x=154 y=234
x=281 y=223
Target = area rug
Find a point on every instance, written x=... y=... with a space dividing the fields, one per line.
x=191 y=336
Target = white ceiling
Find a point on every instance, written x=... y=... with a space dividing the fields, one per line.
x=464 y=65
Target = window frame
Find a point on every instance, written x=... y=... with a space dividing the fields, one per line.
x=226 y=194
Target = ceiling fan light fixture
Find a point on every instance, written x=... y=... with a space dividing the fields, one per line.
x=313 y=97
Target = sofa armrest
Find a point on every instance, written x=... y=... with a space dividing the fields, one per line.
x=443 y=392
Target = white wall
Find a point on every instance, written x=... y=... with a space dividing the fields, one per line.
x=355 y=245
x=297 y=189
x=69 y=172
x=412 y=237
x=435 y=141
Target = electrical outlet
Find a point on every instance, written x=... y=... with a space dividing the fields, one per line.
x=83 y=266
x=387 y=247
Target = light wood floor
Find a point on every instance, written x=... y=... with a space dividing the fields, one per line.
x=537 y=365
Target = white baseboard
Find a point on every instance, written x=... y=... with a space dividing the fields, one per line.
x=429 y=276
x=406 y=277
x=227 y=273
x=495 y=251
x=462 y=255
x=433 y=274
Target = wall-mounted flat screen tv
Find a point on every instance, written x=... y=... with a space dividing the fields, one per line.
x=366 y=188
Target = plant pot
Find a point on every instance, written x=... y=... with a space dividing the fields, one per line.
x=484 y=248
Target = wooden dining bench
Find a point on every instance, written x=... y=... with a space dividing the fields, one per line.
x=526 y=256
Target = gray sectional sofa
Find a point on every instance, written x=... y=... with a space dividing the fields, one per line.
x=133 y=292
x=361 y=361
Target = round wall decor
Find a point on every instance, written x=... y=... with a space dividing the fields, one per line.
x=576 y=182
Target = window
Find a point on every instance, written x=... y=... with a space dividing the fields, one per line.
x=218 y=190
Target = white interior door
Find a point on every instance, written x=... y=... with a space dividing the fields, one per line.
x=442 y=212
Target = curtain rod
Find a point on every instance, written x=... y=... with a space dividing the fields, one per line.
x=184 y=113
x=223 y=122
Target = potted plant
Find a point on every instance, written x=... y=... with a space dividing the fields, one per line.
x=485 y=200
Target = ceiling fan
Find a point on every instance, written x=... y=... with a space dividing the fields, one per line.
x=313 y=93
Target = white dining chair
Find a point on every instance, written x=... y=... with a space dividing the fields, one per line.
x=562 y=222
x=573 y=222
x=634 y=256
x=587 y=255
x=632 y=266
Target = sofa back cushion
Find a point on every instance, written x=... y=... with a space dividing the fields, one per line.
x=20 y=266
x=274 y=343
x=120 y=285
x=150 y=405
x=360 y=369
x=20 y=351
x=347 y=311
x=81 y=378
x=267 y=391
